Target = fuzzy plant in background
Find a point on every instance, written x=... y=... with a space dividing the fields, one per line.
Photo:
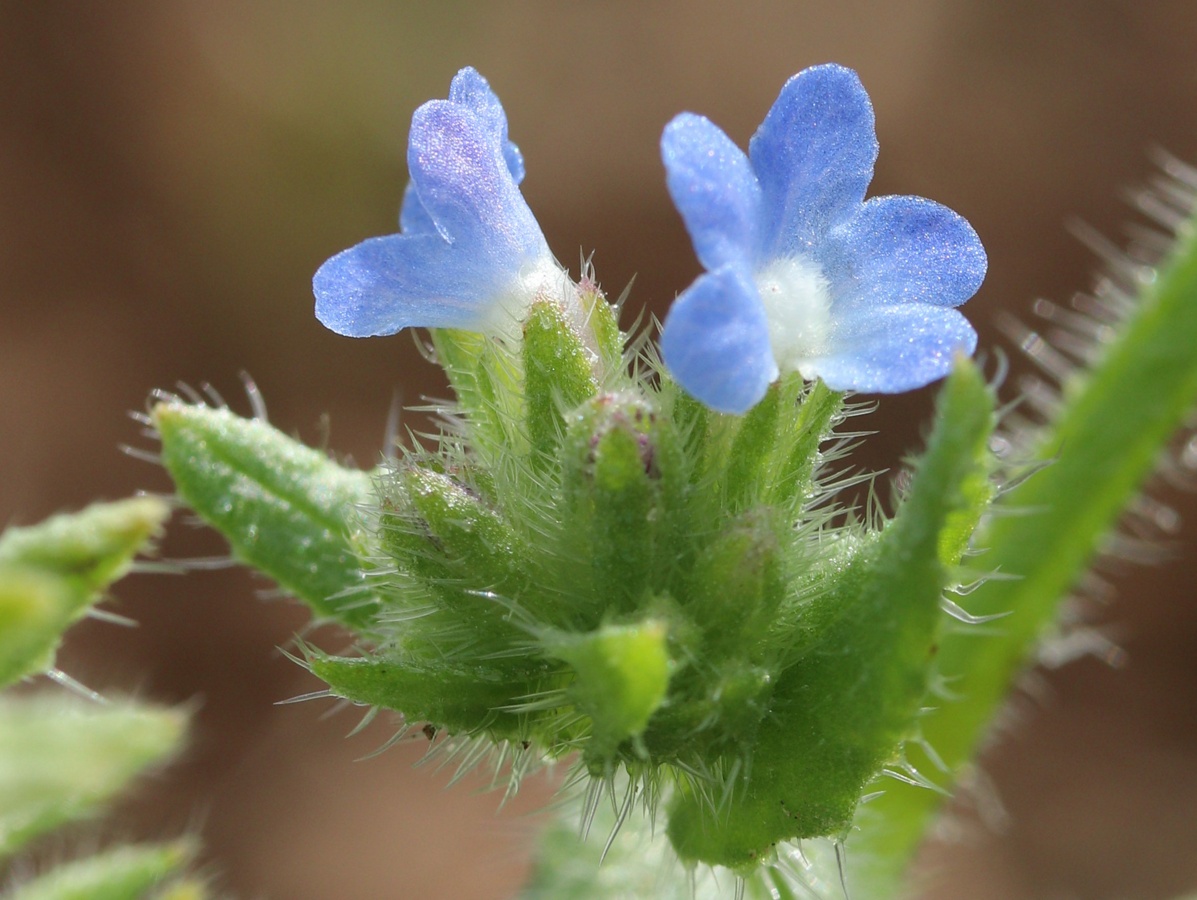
x=638 y=560
x=63 y=756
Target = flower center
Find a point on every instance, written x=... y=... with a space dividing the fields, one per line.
x=797 y=300
x=505 y=314
x=542 y=280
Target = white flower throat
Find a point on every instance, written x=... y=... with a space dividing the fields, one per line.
x=797 y=300
x=504 y=315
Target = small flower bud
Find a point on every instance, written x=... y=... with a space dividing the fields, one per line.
x=614 y=481
x=621 y=676
x=446 y=535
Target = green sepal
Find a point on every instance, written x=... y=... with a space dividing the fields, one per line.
x=446 y=534
x=124 y=873
x=712 y=714
x=621 y=676
x=558 y=374
x=487 y=379
x=51 y=573
x=755 y=443
x=470 y=698
x=841 y=711
x=284 y=508
x=618 y=471
x=721 y=641
x=61 y=758
x=459 y=353
x=602 y=321
x=737 y=585
x=770 y=454
x=798 y=448
x=691 y=421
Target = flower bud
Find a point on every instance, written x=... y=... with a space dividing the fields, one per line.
x=617 y=480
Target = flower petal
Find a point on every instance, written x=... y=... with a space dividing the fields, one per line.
x=399 y=281
x=890 y=349
x=471 y=90
x=813 y=156
x=413 y=217
x=712 y=185
x=463 y=182
x=715 y=342
x=909 y=249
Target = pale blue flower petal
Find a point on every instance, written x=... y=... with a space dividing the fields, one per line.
x=413 y=217
x=472 y=91
x=861 y=294
x=463 y=182
x=907 y=249
x=470 y=254
x=712 y=185
x=715 y=342
x=813 y=156
x=400 y=281
x=891 y=349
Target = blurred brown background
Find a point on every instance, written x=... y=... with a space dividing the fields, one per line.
x=171 y=173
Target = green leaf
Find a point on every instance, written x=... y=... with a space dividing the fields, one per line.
x=285 y=509
x=61 y=758
x=125 y=873
x=51 y=573
x=1113 y=424
x=463 y=699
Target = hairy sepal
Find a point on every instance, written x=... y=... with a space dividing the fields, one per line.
x=559 y=374
x=841 y=711
x=285 y=509
x=51 y=574
x=468 y=699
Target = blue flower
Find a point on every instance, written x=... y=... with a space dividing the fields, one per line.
x=802 y=273
x=470 y=254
